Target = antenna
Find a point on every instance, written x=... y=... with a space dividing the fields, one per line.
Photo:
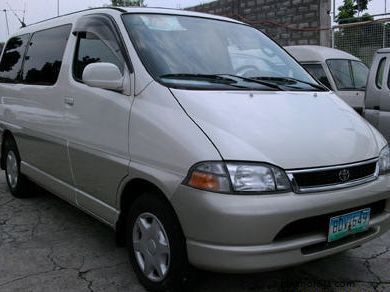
x=13 y=11
x=6 y=20
x=24 y=11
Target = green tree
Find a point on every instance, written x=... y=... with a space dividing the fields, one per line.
x=351 y=8
x=126 y=3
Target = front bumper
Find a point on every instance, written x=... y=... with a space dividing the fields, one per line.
x=236 y=233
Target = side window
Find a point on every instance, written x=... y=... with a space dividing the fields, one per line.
x=360 y=74
x=11 y=62
x=92 y=49
x=318 y=72
x=45 y=51
x=342 y=73
x=380 y=72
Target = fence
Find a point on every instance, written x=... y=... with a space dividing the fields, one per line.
x=362 y=39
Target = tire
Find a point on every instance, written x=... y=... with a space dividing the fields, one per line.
x=17 y=183
x=153 y=232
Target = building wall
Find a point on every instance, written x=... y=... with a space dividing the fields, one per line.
x=289 y=22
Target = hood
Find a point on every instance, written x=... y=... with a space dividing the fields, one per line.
x=288 y=129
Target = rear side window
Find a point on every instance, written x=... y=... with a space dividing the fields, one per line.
x=380 y=72
x=45 y=51
x=92 y=49
x=318 y=72
x=11 y=62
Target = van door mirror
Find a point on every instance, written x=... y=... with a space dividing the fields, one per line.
x=103 y=75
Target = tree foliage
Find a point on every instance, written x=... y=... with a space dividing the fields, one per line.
x=351 y=8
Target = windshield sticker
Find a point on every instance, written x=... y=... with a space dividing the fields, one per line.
x=160 y=22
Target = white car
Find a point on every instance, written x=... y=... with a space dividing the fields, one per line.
x=341 y=72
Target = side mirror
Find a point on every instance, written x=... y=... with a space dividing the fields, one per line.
x=103 y=75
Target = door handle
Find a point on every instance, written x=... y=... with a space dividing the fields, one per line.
x=69 y=101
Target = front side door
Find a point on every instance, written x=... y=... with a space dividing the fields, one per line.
x=97 y=119
x=350 y=78
x=378 y=95
x=382 y=82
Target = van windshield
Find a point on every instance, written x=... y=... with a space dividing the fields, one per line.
x=199 y=53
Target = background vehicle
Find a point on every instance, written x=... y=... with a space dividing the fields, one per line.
x=343 y=73
x=377 y=110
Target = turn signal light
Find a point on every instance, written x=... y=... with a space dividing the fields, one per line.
x=205 y=181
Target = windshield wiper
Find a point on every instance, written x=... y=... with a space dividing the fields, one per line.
x=217 y=79
x=255 y=80
x=228 y=79
x=285 y=80
x=206 y=77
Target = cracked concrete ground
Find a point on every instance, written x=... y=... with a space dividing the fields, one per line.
x=49 y=245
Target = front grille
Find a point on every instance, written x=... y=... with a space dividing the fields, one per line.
x=316 y=224
x=321 y=178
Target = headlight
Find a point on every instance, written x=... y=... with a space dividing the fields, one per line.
x=257 y=178
x=237 y=177
x=384 y=160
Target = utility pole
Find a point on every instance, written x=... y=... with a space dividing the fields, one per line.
x=58 y=7
x=6 y=20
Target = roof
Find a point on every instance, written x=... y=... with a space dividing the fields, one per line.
x=176 y=12
x=64 y=19
x=383 y=51
x=318 y=53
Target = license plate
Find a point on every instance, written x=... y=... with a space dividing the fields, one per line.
x=346 y=224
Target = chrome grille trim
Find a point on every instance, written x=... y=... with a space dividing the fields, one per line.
x=299 y=190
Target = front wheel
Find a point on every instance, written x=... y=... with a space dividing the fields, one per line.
x=156 y=244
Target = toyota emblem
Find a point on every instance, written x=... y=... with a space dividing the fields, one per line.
x=344 y=175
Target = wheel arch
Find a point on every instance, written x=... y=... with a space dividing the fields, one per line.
x=133 y=190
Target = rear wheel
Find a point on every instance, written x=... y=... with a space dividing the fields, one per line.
x=156 y=245
x=17 y=182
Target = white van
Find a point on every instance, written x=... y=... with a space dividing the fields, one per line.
x=151 y=121
x=341 y=72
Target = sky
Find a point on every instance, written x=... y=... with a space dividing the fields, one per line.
x=37 y=10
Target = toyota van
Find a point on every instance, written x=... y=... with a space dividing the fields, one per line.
x=149 y=120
